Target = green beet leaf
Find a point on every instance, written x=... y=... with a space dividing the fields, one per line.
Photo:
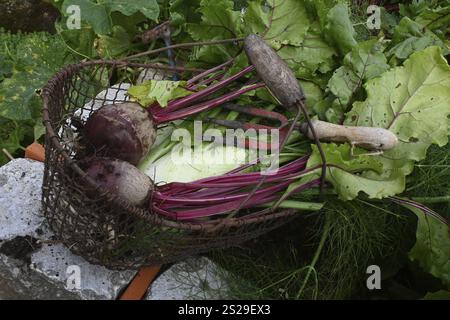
x=282 y=23
x=318 y=9
x=412 y=101
x=161 y=91
x=410 y=36
x=286 y=22
x=148 y=8
x=219 y=21
x=313 y=55
x=366 y=61
x=346 y=173
x=95 y=14
x=432 y=247
x=339 y=28
x=435 y=18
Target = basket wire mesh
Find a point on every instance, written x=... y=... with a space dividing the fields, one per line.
x=96 y=224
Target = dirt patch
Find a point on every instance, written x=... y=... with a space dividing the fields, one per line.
x=27 y=15
x=20 y=248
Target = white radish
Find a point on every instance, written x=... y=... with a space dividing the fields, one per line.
x=371 y=138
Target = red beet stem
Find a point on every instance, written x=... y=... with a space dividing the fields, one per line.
x=186 y=101
x=230 y=206
x=208 y=201
x=173 y=115
x=235 y=178
x=420 y=206
x=208 y=81
x=209 y=71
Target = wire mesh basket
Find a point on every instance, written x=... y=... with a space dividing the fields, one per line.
x=96 y=224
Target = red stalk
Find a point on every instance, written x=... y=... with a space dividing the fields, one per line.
x=230 y=206
x=209 y=71
x=208 y=81
x=186 y=101
x=223 y=194
x=190 y=201
x=172 y=115
x=234 y=179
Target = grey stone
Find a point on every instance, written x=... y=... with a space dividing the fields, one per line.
x=195 y=278
x=31 y=264
x=54 y=261
x=34 y=266
x=20 y=198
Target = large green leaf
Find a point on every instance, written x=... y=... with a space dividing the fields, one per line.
x=366 y=61
x=282 y=22
x=115 y=45
x=409 y=37
x=148 y=8
x=96 y=14
x=348 y=173
x=219 y=21
x=36 y=58
x=339 y=29
x=436 y=18
x=313 y=55
x=313 y=93
x=161 y=91
x=319 y=9
x=432 y=247
x=412 y=101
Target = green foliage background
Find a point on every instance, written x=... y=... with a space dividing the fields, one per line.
x=345 y=70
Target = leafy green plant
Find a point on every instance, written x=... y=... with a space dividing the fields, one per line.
x=396 y=78
x=108 y=28
x=28 y=61
x=432 y=247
